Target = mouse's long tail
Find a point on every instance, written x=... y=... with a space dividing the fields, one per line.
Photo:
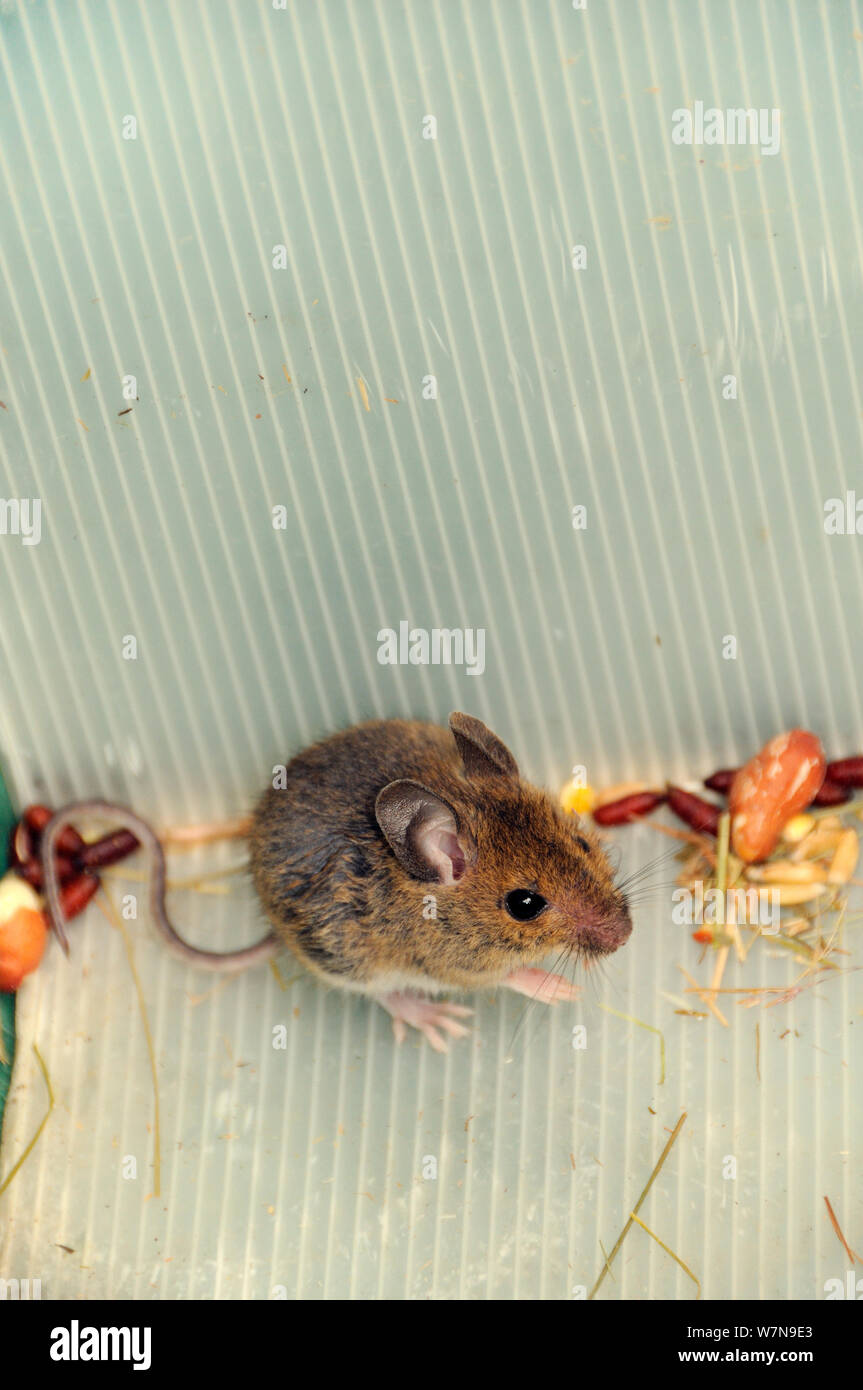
x=121 y=815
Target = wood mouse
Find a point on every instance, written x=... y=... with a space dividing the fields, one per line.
x=400 y=859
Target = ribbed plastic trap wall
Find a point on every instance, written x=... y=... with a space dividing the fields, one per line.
x=299 y=378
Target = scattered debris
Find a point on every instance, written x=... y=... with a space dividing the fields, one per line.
x=650 y=1028
x=676 y=1258
x=33 y=1142
x=116 y=920
x=606 y=1269
x=788 y=846
x=835 y=1224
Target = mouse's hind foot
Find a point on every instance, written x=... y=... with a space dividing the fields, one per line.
x=428 y=1016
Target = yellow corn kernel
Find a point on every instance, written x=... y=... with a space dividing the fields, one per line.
x=844 y=861
x=786 y=871
x=798 y=828
x=577 y=801
x=606 y=795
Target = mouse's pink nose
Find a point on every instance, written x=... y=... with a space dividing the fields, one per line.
x=603 y=932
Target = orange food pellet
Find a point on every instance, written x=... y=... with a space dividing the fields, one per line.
x=773 y=786
x=23 y=932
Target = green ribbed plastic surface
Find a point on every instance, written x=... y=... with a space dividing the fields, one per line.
x=297 y=378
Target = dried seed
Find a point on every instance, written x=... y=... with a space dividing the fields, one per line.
x=109 y=850
x=577 y=800
x=831 y=793
x=844 y=861
x=778 y=782
x=721 y=780
x=606 y=795
x=701 y=815
x=628 y=808
x=36 y=817
x=69 y=841
x=21 y=846
x=798 y=828
x=792 y=893
x=31 y=872
x=787 y=871
x=75 y=895
x=820 y=842
x=848 y=772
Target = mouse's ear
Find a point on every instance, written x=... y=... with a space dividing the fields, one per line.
x=422 y=831
x=482 y=752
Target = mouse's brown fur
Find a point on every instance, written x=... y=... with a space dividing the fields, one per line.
x=342 y=868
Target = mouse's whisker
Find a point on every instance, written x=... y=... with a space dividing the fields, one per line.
x=651 y=891
x=557 y=964
x=646 y=869
x=614 y=855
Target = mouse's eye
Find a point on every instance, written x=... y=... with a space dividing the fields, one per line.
x=580 y=840
x=524 y=905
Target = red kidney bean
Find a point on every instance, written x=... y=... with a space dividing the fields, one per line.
x=109 y=850
x=75 y=895
x=694 y=810
x=36 y=817
x=831 y=793
x=721 y=780
x=848 y=772
x=69 y=841
x=32 y=870
x=628 y=808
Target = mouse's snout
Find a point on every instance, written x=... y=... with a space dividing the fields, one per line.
x=599 y=932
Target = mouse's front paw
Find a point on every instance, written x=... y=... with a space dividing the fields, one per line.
x=541 y=985
x=426 y=1015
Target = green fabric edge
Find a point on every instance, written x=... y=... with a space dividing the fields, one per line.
x=7 y=1001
